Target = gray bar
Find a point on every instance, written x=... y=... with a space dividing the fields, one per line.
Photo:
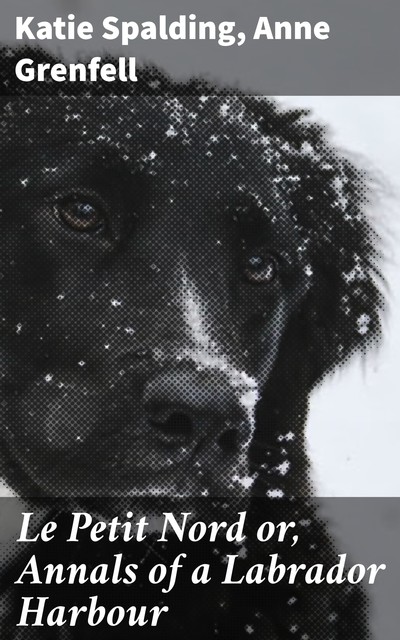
x=361 y=56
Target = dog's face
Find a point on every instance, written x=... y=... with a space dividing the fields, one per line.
x=154 y=257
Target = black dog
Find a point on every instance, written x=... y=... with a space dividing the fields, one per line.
x=179 y=268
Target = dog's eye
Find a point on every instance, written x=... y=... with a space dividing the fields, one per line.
x=259 y=268
x=81 y=214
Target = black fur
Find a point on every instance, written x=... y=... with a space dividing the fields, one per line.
x=212 y=207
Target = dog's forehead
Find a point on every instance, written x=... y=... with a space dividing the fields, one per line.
x=207 y=148
x=198 y=150
x=115 y=112
x=156 y=132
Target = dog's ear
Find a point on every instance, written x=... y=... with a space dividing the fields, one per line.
x=329 y=199
x=342 y=313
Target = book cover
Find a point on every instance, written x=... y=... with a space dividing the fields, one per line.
x=199 y=309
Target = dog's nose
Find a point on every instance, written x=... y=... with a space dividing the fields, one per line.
x=190 y=407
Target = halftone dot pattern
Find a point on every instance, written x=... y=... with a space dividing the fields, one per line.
x=181 y=264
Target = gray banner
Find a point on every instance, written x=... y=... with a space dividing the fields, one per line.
x=360 y=57
x=365 y=529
